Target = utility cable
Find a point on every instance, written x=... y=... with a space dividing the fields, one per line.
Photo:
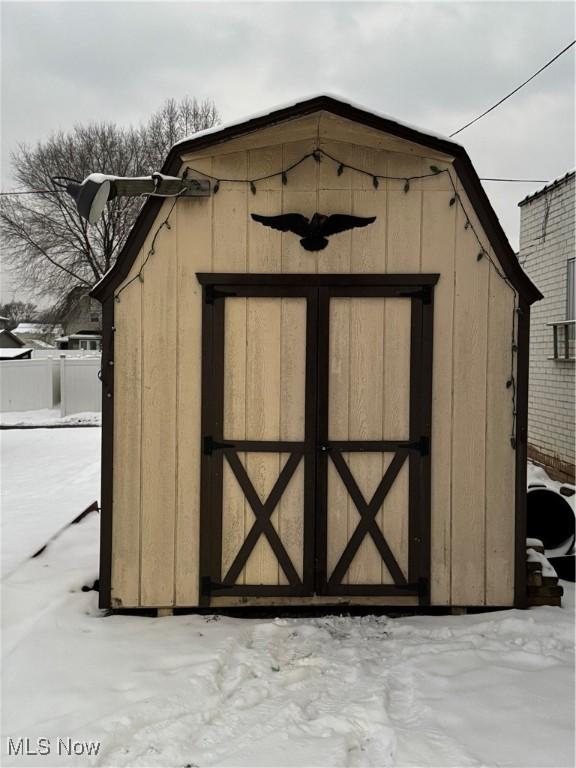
x=515 y=90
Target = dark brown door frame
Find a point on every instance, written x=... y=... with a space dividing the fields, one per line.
x=415 y=450
x=215 y=451
x=315 y=449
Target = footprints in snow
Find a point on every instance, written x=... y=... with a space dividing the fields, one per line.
x=328 y=691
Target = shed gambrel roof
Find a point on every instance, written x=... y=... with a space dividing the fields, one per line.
x=214 y=136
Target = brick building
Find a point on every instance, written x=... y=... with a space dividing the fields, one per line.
x=547 y=252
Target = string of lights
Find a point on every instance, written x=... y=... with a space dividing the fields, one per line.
x=484 y=253
x=317 y=155
x=455 y=199
x=165 y=224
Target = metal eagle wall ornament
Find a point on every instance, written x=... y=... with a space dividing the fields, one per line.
x=315 y=231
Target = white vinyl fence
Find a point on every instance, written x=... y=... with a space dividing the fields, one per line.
x=80 y=387
x=29 y=385
x=25 y=385
x=56 y=354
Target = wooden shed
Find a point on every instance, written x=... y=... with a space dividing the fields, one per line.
x=344 y=425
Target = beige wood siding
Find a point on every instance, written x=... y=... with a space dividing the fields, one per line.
x=264 y=383
x=127 y=448
x=157 y=373
x=193 y=254
x=159 y=470
x=369 y=370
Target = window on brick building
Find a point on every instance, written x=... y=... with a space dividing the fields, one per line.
x=570 y=313
x=564 y=331
x=570 y=286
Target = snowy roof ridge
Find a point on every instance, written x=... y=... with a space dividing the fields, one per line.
x=304 y=99
x=37 y=328
x=548 y=187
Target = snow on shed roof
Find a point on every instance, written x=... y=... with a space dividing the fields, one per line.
x=13 y=353
x=334 y=105
x=294 y=103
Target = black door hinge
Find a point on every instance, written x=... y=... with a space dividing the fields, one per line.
x=422 y=446
x=211 y=293
x=205 y=585
x=210 y=445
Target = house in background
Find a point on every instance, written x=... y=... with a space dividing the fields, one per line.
x=547 y=255
x=13 y=348
x=4 y=322
x=9 y=340
x=38 y=335
x=81 y=322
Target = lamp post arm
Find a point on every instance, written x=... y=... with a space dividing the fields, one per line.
x=158 y=184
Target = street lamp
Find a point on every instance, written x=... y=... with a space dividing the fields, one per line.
x=92 y=194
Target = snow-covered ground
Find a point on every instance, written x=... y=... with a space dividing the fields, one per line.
x=49 y=417
x=538 y=475
x=48 y=477
x=493 y=689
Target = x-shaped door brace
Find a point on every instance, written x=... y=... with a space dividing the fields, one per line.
x=262 y=513
x=368 y=512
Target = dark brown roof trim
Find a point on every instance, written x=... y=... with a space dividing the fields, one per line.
x=493 y=229
x=462 y=165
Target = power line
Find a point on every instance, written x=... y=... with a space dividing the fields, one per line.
x=515 y=89
x=482 y=178
x=518 y=181
x=31 y=192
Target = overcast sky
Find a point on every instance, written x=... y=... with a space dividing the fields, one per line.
x=433 y=64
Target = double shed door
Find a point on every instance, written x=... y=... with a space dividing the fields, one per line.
x=316 y=400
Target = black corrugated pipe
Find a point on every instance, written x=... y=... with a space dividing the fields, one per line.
x=551 y=519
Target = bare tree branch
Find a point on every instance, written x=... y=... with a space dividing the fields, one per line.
x=48 y=246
